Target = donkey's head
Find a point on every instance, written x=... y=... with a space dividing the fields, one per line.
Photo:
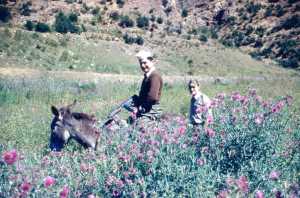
x=67 y=124
x=60 y=131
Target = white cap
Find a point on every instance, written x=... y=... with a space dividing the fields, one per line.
x=143 y=55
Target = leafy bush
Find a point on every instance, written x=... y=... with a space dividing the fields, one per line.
x=126 y=22
x=25 y=8
x=279 y=11
x=268 y=11
x=203 y=38
x=159 y=20
x=63 y=24
x=291 y=22
x=42 y=27
x=184 y=13
x=29 y=25
x=131 y=40
x=5 y=15
x=120 y=3
x=139 y=40
x=142 y=22
x=73 y=17
x=114 y=15
x=96 y=10
x=253 y=8
x=164 y=3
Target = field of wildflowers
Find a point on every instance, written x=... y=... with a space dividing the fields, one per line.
x=250 y=148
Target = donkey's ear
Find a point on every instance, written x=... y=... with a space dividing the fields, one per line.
x=72 y=105
x=54 y=111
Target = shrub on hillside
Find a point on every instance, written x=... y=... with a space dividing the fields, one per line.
x=139 y=40
x=290 y=63
x=126 y=22
x=29 y=25
x=131 y=40
x=3 y=2
x=291 y=22
x=184 y=13
x=142 y=22
x=96 y=11
x=253 y=8
x=42 y=27
x=114 y=15
x=73 y=17
x=279 y=10
x=159 y=20
x=203 y=38
x=5 y=14
x=120 y=3
x=25 y=8
x=168 y=10
x=268 y=11
x=63 y=24
x=164 y=3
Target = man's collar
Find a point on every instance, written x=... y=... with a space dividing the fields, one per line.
x=150 y=72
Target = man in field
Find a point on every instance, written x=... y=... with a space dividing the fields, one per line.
x=146 y=104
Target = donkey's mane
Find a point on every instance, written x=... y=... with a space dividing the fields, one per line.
x=83 y=116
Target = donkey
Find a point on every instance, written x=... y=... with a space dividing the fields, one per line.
x=67 y=124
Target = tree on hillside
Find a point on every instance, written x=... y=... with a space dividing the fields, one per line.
x=5 y=15
x=63 y=24
x=142 y=22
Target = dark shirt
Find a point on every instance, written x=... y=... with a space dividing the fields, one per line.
x=150 y=91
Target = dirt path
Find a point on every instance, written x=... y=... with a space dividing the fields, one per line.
x=13 y=72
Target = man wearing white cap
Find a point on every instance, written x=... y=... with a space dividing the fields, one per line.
x=146 y=103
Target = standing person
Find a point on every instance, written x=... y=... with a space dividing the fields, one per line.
x=147 y=102
x=199 y=106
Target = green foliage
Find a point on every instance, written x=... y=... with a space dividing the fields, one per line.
x=131 y=40
x=25 y=8
x=253 y=8
x=142 y=22
x=120 y=3
x=73 y=17
x=114 y=15
x=29 y=25
x=268 y=11
x=184 y=13
x=63 y=24
x=203 y=38
x=279 y=10
x=96 y=11
x=159 y=20
x=291 y=22
x=126 y=22
x=5 y=14
x=42 y=27
x=164 y=3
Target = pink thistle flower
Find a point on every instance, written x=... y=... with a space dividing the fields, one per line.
x=223 y=194
x=259 y=119
x=91 y=196
x=209 y=119
x=182 y=130
x=210 y=132
x=200 y=162
x=236 y=96
x=230 y=181
x=49 y=181
x=242 y=184
x=10 y=157
x=65 y=192
x=259 y=194
x=221 y=96
x=259 y=99
x=274 y=175
x=25 y=187
x=204 y=149
x=252 y=92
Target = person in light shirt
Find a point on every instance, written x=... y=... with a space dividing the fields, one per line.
x=199 y=105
